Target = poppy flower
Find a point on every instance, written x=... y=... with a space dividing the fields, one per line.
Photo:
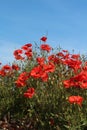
x=50 y=67
x=19 y=57
x=74 y=64
x=45 y=47
x=2 y=72
x=75 y=100
x=43 y=39
x=40 y=60
x=39 y=72
x=15 y=67
x=36 y=72
x=67 y=83
x=29 y=93
x=29 y=53
x=6 y=67
x=26 y=46
x=17 y=54
x=44 y=76
x=21 y=81
x=75 y=56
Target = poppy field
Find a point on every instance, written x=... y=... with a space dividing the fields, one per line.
x=43 y=89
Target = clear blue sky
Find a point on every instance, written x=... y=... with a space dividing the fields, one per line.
x=23 y=21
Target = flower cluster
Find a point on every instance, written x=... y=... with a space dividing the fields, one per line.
x=9 y=70
x=76 y=99
x=43 y=67
x=49 y=88
x=25 y=51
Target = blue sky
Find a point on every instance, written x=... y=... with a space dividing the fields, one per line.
x=22 y=21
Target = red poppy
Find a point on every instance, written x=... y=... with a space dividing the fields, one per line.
x=67 y=83
x=15 y=67
x=17 y=52
x=44 y=76
x=60 y=54
x=84 y=84
x=6 y=67
x=74 y=64
x=45 y=47
x=26 y=46
x=75 y=56
x=19 y=57
x=29 y=93
x=2 y=72
x=54 y=58
x=75 y=100
x=43 y=39
x=39 y=72
x=40 y=60
x=79 y=80
x=21 y=81
x=36 y=72
x=29 y=53
x=50 y=67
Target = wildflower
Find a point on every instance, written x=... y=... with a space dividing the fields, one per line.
x=21 y=81
x=15 y=67
x=67 y=83
x=19 y=57
x=54 y=58
x=26 y=46
x=28 y=53
x=75 y=100
x=6 y=67
x=44 y=76
x=50 y=67
x=36 y=72
x=42 y=70
x=17 y=54
x=29 y=93
x=60 y=54
x=2 y=72
x=74 y=64
x=45 y=47
x=43 y=39
x=40 y=60
x=75 y=56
